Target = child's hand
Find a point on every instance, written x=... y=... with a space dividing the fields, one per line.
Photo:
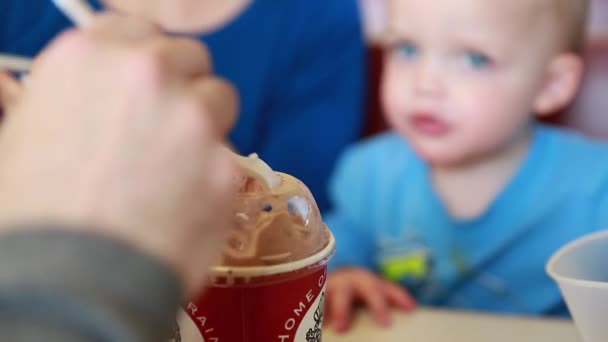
x=347 y=286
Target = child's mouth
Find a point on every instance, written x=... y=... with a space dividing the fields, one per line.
x=429 y=124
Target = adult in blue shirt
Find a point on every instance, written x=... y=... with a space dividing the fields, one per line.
x=298 y=66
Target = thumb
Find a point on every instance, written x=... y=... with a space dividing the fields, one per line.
x=10 y=90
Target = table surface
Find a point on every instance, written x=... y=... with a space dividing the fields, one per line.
x=427 y=325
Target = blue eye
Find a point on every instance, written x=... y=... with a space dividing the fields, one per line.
x=478 y=60
x=407 y=50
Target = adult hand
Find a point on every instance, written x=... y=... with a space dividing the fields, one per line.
x=10 y=89
x=118 y=132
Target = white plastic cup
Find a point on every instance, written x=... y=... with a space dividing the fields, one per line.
x=580 y=269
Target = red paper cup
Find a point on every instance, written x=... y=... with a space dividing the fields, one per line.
x=281 y=303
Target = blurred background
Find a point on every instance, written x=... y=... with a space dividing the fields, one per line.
x=588 y=114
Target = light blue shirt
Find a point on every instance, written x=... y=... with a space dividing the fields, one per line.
x=389 y=218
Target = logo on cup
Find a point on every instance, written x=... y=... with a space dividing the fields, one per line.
x=314 y=334
x=310 y=328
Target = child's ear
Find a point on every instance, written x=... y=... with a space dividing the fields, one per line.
x=561 y=84
x=374 y=17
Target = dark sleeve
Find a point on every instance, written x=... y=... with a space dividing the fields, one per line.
x=69 y=287
x=4 y=10
x=317 y=108
x=26 y=27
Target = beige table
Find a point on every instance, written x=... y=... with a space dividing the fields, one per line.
x=425 y=325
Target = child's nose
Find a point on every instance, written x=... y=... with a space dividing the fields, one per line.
x=428 y=79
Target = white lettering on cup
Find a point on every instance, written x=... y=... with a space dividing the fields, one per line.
x=300 y=309
x=310 y=296
x=202 y=320
x=290 y=324
x=192 y=308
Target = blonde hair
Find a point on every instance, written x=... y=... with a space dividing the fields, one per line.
x=573 y=17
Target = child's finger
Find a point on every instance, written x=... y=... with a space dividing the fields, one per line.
x=340 y=303
x=373 y=296
x=398 y=296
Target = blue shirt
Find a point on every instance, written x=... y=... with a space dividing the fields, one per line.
x=389 y=218
x=298 y=66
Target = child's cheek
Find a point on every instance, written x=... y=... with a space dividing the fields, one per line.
x=391 y=103
x=394 y=92
x=477 y=102
x=488 y=114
